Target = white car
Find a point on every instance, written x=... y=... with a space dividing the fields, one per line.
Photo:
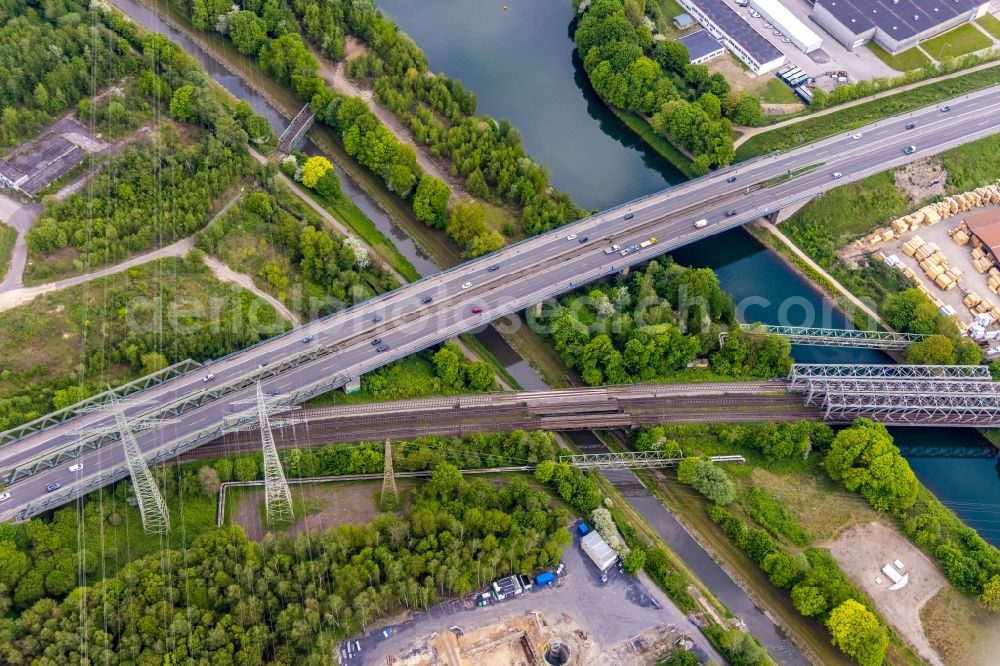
x=857 y=136
x=4 y=497
x=209 y=377
x=76 y=468
x=466 y=285
x=837 y=174
x=571 y=237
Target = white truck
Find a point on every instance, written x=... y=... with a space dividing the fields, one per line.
x=647 y=243
x=701 y=224
x=612 y=249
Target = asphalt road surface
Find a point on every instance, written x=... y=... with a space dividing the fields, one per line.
x=527 y=272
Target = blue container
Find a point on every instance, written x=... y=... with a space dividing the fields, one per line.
x=583 y=528
x=545 y=578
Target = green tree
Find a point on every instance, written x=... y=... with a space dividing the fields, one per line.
x=247 y=31
x=858 y=633
x=153 y=362
x=480 y=375
x=430 y=202
x=865 y=459
x=781 y=568
x=988 y=599
x=314 y=168
x=634 y=560
x=180 y=104
x=809 y=600
x=329 y=185
x=712 y=481
x=245 y=468
x=932 y=350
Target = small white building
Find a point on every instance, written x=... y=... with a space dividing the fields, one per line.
x=790 y=26
x=599 y=551
x=701 y=47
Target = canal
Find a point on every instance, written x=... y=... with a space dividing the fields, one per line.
x=522 y=66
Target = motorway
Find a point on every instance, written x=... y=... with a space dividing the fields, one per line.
x=528 y=272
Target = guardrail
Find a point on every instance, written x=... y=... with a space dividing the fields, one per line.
x=66 y=413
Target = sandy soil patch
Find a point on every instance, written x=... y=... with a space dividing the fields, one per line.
x=353 y=47
x=863 y=550
x=523 y=640
x=962 y=633
x=921 y=180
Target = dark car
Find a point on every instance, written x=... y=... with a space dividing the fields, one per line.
x=731 y=179
x=426 y=299
x=493 y=268
x=262 y=365
x=376 y=341
x=629 y=216
x=910 y=125
x=730 y=213
x=583 y=240
x=52 y=487
x=383 y=348
x=376 y=319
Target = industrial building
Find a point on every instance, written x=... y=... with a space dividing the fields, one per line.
x=599 y=551
x=790 y=26
x=895 y=25
x=702 y=47
x=736 y=34
x=986 y=227
x=37 y=164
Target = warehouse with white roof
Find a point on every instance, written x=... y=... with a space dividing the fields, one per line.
x=778 y=15
x=733 y=32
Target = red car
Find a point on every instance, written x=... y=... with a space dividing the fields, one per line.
x=477 y=310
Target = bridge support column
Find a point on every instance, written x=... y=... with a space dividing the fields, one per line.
x=353 y=385
x=538 y=309
x=625 y=270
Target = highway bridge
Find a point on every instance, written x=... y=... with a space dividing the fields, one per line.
x=329 y=352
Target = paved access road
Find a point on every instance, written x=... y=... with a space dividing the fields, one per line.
x=526 y=273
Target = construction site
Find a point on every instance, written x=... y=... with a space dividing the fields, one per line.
x=534 y=638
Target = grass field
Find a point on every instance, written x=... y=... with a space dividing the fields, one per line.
x=813 y=129
x=990 y=24
x=776 y=92
x=956 y=627
x=966 y=38
x=901 y=62
x=7 y=237
x=972 y=164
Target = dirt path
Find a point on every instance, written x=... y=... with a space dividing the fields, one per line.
x=753 y=131
x=21 y=295
x=227 y=274
x=335 y=75
x=21 y=217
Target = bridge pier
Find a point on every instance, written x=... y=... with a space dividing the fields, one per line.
x=353 y=385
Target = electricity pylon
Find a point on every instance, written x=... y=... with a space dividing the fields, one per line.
x=389 y=480
x=152 y=508
x=277 y=496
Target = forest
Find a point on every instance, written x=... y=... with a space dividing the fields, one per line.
x=292 y=254
x=651 y=324
x=681 y=101
x=79 y=58
x=226 y=600
x=175 y=178
x=487 y=154
x=71 y=343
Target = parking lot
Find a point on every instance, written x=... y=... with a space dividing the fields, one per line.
x=609 y=614
x=832 y=56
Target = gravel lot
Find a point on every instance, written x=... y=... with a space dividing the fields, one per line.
x=863 y=550
x=609 y=613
